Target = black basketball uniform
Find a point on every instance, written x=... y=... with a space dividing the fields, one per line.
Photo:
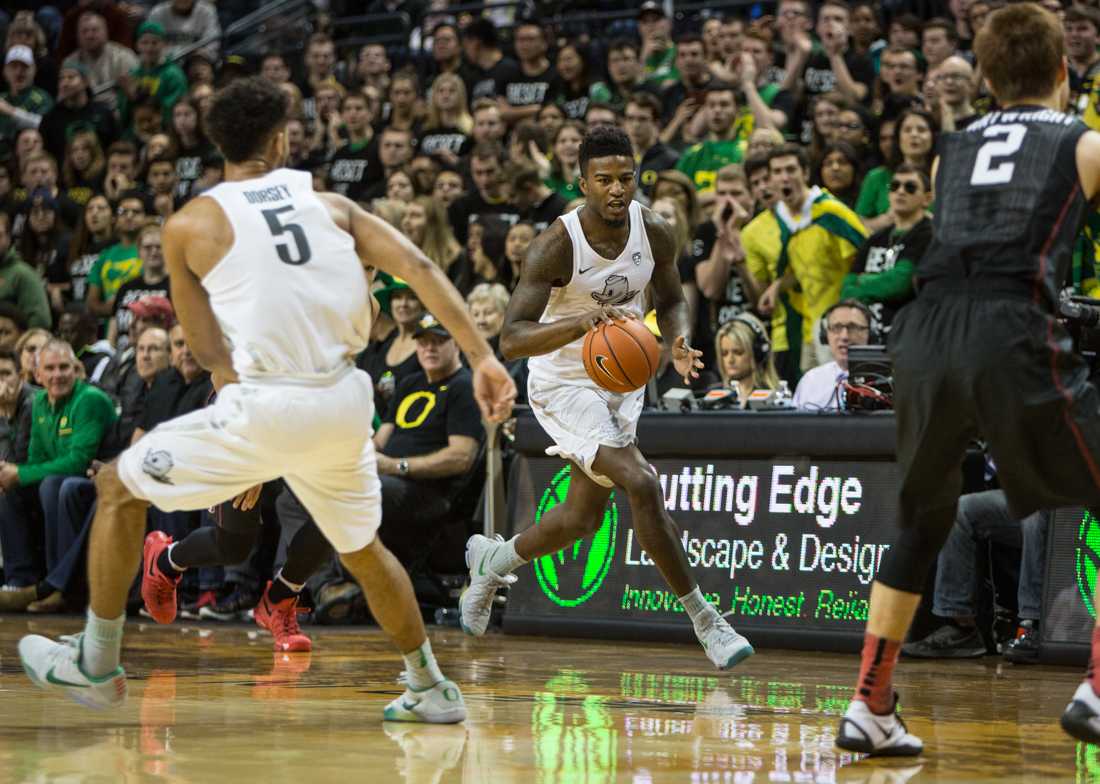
x=980 y=353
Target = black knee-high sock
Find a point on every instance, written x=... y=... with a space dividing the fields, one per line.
x=304 y=555
x=224 y=544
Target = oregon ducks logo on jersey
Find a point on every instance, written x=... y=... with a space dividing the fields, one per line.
x=616 y=291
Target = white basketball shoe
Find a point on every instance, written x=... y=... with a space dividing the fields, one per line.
x=55 y=666
x=476 y=602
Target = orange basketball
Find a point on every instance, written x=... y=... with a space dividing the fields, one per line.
x=620 y=356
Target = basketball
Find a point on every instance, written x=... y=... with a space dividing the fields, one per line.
x=620 y=356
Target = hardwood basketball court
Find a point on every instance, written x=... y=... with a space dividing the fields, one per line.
x=212 y=703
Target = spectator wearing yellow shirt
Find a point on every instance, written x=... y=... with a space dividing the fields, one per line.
x=120 y=263
x=801 y=248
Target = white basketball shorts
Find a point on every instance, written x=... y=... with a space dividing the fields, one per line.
x=317 y=438
x=580 y=418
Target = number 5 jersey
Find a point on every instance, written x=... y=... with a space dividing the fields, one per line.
x=291 y=294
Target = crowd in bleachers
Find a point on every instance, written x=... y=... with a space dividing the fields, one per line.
x=789 y=145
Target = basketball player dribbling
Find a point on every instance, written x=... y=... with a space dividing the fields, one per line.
x=269 y=280
x=593 y=265
x=980 y=353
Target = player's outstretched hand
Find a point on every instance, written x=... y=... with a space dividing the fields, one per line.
x=686 y=359
x=494 y=390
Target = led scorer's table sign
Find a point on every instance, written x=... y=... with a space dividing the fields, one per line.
x=788 y=547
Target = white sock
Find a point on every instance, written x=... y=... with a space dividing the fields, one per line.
x=701 y=611
x=421 y=667
x=102 y=642
x=174 y=565
x=296 y=587
x=505 y=559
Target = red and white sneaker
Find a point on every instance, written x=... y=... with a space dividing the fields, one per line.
x=158 y=589
x=281 y=620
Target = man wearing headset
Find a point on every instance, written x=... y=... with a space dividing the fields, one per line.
x=847 y=323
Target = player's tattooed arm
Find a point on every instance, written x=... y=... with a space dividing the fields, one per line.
x=549 y=265
x=673 y=314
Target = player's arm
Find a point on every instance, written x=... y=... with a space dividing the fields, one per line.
x=380 y=245
x=1088 y=165
x=549 y=264
x=673 y=314
x=190 y=300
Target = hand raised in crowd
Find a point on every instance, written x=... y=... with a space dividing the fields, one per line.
x=482 y=265
x=746 y=70
x=687 y=360
x=540 y=159
x=769 y=299
x=729 y=216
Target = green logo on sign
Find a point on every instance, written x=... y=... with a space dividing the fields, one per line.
x=1087 y=559
x=572 y=575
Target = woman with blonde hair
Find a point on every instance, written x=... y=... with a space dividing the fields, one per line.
x=744 y=356
x=84 y=167
x=425 y=224
x=676 y=185
x=449 y=123
x=26 y=349
x=487 y=303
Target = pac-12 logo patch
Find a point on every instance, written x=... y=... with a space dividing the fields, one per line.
x=637 y=257
x=157 y=464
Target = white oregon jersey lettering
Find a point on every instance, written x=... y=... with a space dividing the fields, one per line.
x=291 y=294
x=596 y=281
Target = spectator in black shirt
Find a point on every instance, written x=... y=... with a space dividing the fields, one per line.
x=45 y=246
x=78 y=327
x=354 y=169
x=152 y=282
x=486 y=71
x=883 y=272
x=840 y=173
x=446 y=52
x=428 y=440
x=392 y=358
x=536 y=203
x=425 y=224
x=641 y=123
x=395 y=150
x=16 y=402
x=516 y=243
x=528 y=87
x=84 y=167
x=571 y=90
x=75 y=108
x=93 y=235
x=625 y=72
x=176 y=390
x=690 y=90
x=488 y=197
x=447 y=131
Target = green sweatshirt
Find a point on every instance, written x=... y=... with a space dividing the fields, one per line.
x=166 y=83
x=894 y=284
x=65 y=437
x=24 y=288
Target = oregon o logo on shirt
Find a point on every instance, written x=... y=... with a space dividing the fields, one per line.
x=1086 y=559
x=572 y=575
x=402 y=416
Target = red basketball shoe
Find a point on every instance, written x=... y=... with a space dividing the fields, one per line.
x=281 y=620
x=157 y=588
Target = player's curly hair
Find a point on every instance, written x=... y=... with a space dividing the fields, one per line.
x=604 y=141
x=243 y=116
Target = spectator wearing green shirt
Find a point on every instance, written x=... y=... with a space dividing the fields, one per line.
x=163 y=81
x=120 y=263
x=68 y=421
x=658 y=52
x=23 y=104
x=625 y=75
x=727 y=137
x=19 y=283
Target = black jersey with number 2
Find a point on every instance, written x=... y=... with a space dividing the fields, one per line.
x=1008 y=201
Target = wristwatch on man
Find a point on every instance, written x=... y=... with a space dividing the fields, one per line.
x=403 y=467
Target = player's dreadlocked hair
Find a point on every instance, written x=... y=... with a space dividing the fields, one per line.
x=604 y=141
x=243 y=116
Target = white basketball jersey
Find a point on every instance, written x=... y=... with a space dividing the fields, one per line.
x=596 y=281
x=291 y=294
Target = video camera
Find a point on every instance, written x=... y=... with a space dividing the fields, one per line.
x=1081 y=317
x=870 y=384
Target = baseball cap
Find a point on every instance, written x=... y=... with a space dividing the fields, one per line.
x=19 y=54
x=651 y=7
x=154 y=308
x=73 y=64
x=149 y=28
x=429 y=324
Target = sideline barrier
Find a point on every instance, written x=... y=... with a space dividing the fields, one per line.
x=785 y=518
